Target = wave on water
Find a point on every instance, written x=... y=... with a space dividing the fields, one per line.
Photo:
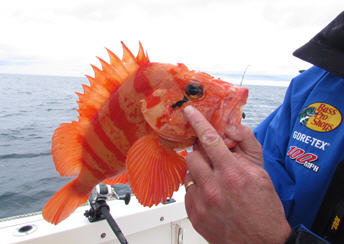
x=24 y=155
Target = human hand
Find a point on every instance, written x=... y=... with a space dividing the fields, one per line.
x=248 y=147
x=233 y=199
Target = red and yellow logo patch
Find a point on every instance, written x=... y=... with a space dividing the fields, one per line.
x=321 y=117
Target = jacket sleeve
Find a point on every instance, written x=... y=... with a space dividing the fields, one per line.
x=302 y=235
x=274 y=133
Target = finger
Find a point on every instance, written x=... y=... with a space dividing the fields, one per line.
x=244 y=136
x=190 y=203
x=198 y=147
x=188 y=182
x=210 y=140
x=190 y=194
x=187 y=177
x=193 y=203
x=199 y=168
x=247 y=143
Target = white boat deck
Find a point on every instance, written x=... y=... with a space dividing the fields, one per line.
x=157 y=225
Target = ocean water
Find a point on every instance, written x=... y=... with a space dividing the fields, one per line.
x=32 y=106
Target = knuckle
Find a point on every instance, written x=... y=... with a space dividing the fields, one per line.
x=235 y=179
x=206 y=182
x=222 y=155
x=261 y=178
x=258 y=174
x=239 y=181
x=265 y=180
x=209 y=137
x=211 y=197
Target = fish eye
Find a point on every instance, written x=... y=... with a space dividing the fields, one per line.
x=194 y=91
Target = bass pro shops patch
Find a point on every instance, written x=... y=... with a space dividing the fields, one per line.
x=321 y=117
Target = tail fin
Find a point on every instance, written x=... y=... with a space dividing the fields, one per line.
x=64 y=202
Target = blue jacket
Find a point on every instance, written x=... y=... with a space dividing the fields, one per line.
x=303 y=142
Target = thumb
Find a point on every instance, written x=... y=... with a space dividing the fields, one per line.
x=247 y=142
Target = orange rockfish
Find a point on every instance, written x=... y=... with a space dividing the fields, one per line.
x=130 y=123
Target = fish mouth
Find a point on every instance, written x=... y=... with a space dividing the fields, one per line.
x=230 y=114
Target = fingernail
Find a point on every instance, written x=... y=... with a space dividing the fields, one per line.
x=188 y=110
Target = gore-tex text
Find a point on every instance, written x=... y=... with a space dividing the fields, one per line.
x=314 y=142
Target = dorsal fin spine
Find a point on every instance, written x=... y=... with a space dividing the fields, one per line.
x=90 y=79
x=118 y=66
x=98 y=75
x=142 y=57
x=129 y=60
x=109 y=72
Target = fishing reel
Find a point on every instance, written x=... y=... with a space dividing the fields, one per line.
x=100 y=210
x=106 y=192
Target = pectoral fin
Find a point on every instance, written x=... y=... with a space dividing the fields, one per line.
x=154 y=170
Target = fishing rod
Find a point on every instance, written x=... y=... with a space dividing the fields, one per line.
x=242 y=79
x=243 y=75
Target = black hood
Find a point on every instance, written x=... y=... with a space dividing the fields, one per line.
x=326 y=49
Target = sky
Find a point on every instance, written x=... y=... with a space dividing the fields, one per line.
x=63 y=37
